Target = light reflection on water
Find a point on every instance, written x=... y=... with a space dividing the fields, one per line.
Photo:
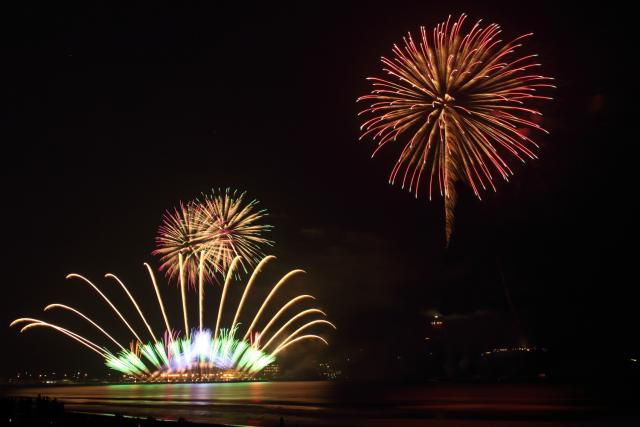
x=326 y=403
x=254 y=392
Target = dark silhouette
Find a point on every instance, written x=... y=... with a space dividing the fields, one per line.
x=43 y=411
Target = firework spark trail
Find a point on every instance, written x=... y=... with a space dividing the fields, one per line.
x=89 y=344
x=134 y=303
x=183 y=293
x=283 y=309
x=189 y=350
x=37 y=322
x=155 y=286
x=201 y=289
x=224 y=294
x=73 y=310
x=462 y=103
x=290 y=322
x=303 y=337
x=300 y=329
x=72 y=275
x=249 y=285
x=268 y=298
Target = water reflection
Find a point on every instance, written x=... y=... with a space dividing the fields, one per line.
x=328 y=403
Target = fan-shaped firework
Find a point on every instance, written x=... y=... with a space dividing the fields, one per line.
x=211 y=231
x=461 y=101
x=197 y=353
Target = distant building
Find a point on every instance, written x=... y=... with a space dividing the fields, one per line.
x=328 y=372
x=270 y=372
x=437 y=322
x=432 y=365
x=51 y=378
x=513 y=363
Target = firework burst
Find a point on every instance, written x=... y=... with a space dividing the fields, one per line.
x=211 y=231
x=234 y=227
x=181 y=234
x=461 y=104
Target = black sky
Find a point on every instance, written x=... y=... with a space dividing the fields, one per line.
x=111 y=115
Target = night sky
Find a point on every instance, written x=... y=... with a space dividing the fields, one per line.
x=110 y=116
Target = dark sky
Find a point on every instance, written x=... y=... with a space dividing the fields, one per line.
x=109 y=116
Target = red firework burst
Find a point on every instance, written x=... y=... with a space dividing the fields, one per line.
x=462 y=104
